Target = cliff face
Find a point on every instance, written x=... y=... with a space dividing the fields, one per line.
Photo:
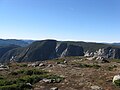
x=73 y=50
x=109 y=52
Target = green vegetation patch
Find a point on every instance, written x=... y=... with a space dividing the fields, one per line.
x=59 y=61
x=110 y=68
x=23 y=65
x=115 y=60
x=81 y=65
x=31 y=76
x=117 y=82
x=29 y=72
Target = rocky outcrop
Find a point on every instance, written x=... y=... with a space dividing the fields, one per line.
x=102 y=55
x=108 y=52
x=89 y=54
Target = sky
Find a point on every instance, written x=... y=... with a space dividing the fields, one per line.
x=78 y=20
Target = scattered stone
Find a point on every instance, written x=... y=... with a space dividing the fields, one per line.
x=41 y=64
x=4 y=67
x=47 y=80
x=29 y=65
x=57 y=62
x=54 y=88
x=34 y=64
x=101 y=60
x=81 y=84
x=58 y=80
x=50 y=65
x=29 y=84
x=62 y=65
x=81 y=60
x=90 y=58
x=65 y=62
x=96 y=88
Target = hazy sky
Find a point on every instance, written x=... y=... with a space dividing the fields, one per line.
x=80 y=20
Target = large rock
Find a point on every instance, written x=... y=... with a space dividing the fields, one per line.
x=54 y=88
x=96 y=88
x=116 y=77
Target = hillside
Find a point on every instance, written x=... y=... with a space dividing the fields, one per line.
x=50 y=49
x=91 y=46
x=5 y=49
x=7 y=42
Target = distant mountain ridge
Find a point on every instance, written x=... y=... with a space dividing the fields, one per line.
x=117 y=44
x=50 y=49
x=7 y=42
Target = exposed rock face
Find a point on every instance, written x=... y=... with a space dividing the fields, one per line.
x=103 y=54
x=108 y=53
x=73 y=50
x=88 y=54
x=116 y=53
x=96 y=88
x=41 y=51
x=60 y=48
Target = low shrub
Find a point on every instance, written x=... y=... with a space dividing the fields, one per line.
x=34 y=72
x=89 y=66
x=117 y=82
x=23 y=65
x=110 y=68
x=1 y=77
x=27 y=76
x=6 y=82
x=9 y=87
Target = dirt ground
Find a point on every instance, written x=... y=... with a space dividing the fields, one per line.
x=81 y=78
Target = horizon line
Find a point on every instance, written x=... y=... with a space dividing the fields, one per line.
x=91 y=41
